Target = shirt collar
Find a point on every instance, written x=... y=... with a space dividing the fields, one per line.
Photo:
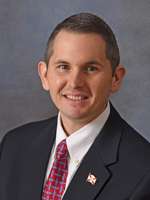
x=80 y=141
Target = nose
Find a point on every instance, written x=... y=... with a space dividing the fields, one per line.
x=76 y=79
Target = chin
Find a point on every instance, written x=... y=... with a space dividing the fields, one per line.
x=76 y=115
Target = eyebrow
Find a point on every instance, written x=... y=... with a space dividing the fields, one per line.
x=91 y=62
x=62 y=62
x=94 y=62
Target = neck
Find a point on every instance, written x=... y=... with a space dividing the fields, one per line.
x=71 y=125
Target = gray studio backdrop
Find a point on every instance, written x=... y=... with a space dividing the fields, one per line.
x=24 y=28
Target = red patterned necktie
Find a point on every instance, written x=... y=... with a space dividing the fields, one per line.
x=56 y=182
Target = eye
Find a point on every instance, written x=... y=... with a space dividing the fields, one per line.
x=62 y=67
x=91 y=69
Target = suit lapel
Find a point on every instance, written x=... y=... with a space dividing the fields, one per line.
x=80 y=188
x=96 y=162
x=35 y=162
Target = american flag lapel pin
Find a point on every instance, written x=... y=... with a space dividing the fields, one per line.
x=91 y=179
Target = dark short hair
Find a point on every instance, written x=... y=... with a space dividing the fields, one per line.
x=87 y=23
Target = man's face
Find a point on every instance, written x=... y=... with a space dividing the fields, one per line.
x=79 y=76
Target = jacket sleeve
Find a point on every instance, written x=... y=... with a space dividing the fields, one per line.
x=142 y=190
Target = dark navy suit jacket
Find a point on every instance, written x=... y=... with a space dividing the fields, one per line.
x=119 y=159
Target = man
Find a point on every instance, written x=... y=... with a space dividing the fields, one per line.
x=88 y=152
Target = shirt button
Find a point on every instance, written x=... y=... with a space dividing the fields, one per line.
x=76 y=162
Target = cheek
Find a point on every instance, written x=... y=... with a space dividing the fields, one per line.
x=56 y=84
x=101 y=87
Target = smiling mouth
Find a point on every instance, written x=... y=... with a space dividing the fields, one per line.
x=77 y=98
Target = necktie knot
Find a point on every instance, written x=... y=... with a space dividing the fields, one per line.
x=62 y=150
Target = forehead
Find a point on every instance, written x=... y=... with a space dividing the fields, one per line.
x=78 y=49
x=65 y=35
x=83 y=43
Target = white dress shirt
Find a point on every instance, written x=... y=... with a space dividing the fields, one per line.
x=78 y=143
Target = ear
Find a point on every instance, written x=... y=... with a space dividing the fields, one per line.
x=42 y=71
x=117 y=78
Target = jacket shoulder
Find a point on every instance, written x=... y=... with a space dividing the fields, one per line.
x=132 y=146
x=31 y=127
x=135 y=146
x=27 y=132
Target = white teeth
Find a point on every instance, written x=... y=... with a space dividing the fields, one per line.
x=75 y=98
